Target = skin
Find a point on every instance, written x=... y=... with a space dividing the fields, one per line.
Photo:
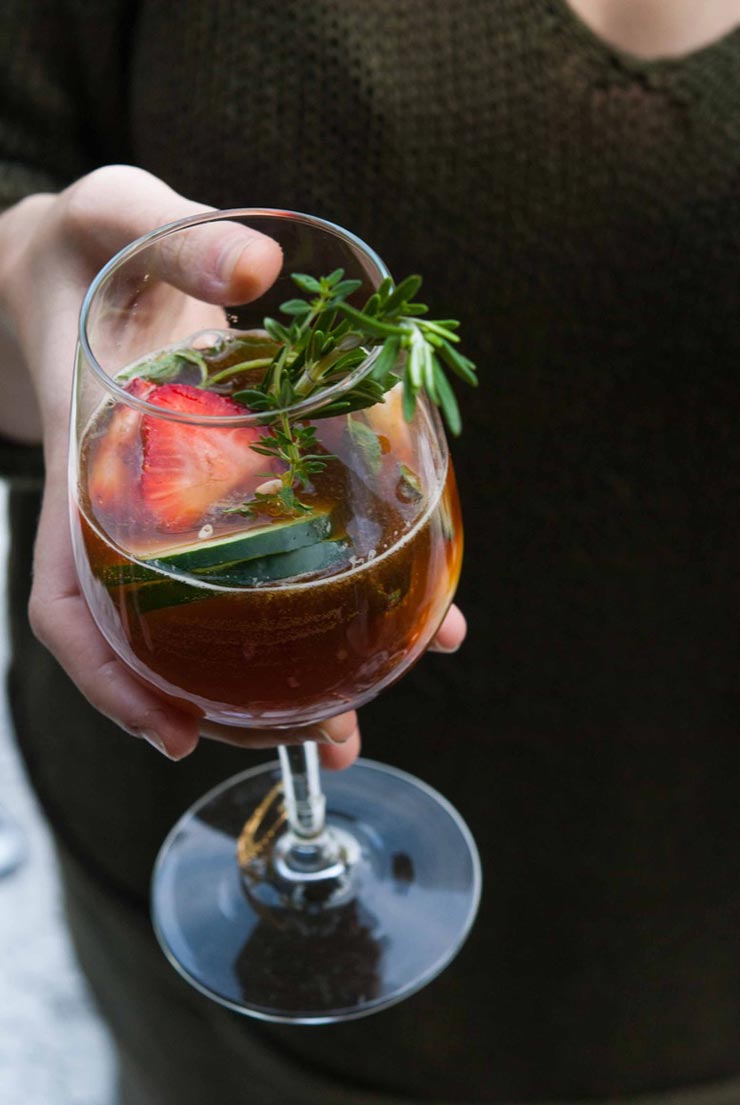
x=659 y=28
x=51 y=246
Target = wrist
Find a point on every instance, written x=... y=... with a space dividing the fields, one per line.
x=34 y=322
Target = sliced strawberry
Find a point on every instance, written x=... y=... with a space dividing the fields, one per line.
x=115 y=461
x=188 y=468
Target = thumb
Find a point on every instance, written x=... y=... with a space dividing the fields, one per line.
x=222 y=262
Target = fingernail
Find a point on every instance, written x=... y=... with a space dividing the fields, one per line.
x=445 y=651
x=156 y=742
x=325 y=737
x=231 y=253
x=230 y=257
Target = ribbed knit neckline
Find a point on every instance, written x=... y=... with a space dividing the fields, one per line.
x=584 y=36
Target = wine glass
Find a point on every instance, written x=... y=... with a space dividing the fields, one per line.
x=281 y=894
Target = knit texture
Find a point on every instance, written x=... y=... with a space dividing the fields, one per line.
x=580 y=211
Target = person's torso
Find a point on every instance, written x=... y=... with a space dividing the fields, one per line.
x=580 y=211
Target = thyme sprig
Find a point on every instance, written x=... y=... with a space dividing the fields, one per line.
x=325 y=338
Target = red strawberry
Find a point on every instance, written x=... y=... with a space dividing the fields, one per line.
x=116 y=458
x=188 y=468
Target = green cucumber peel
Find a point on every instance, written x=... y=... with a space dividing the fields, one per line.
x=164 y=593
x=278 y=537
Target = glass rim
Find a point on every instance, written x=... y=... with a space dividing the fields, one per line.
x=249 y=418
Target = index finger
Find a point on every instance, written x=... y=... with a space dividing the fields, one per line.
x=451 y=633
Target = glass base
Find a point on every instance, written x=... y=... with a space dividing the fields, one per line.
x=403 y=909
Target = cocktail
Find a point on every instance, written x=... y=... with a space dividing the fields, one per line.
x=267 y=530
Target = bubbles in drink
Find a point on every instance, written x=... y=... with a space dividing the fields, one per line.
x=240 y=608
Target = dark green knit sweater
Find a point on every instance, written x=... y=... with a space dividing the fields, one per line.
x=580 y=211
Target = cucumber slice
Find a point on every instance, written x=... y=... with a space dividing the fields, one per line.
x=225 y=552
x=277 y=537
x=269 y=569
x=266 y=569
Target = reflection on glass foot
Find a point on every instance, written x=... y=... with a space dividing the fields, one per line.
x=337 y=948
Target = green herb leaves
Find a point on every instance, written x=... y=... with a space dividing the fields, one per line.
x=323 y=341
x=393 y=318
x=168 y=366
x=366 y=443
x=327 y=337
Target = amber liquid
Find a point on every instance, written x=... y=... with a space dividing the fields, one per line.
x=300 y=650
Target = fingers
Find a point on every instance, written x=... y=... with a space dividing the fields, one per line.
x=338 y=738
x=61 y=620
x=220 y=263
x=110 y=207
x=345 y=743
x=52 y=246
x=451 y=633
x=63 y=624
x=223 y=263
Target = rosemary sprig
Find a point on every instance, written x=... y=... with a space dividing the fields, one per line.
x=325 y=339
x=322 y=340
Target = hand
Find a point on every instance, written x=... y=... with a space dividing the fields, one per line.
x=50 y=249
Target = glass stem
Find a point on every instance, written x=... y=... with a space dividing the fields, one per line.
x=307 y=849
x=305 y=805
